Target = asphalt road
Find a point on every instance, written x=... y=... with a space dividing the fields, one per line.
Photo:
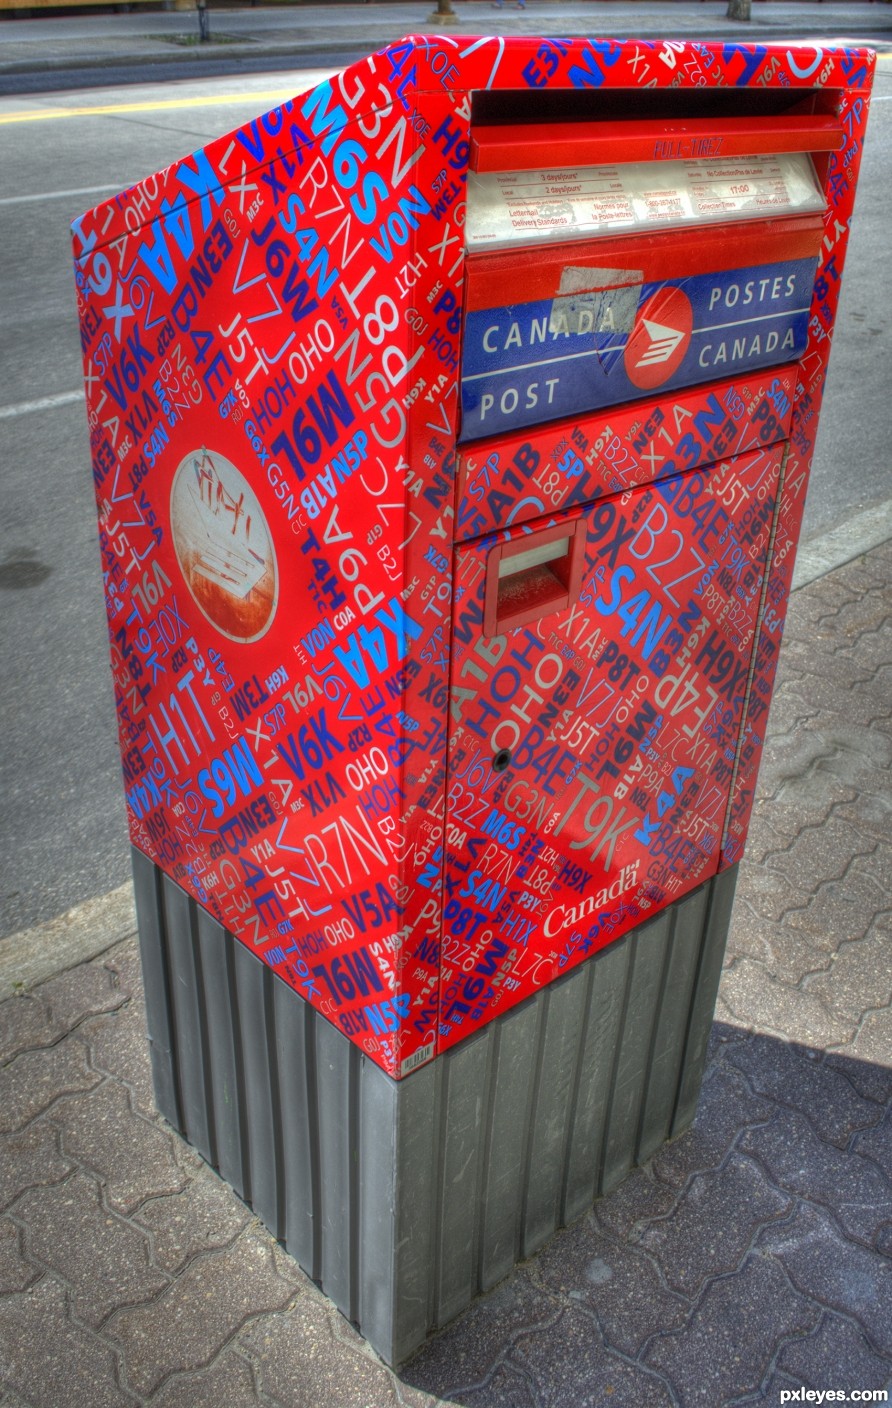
x=62 y=823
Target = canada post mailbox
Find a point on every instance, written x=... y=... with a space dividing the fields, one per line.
x=451 y=427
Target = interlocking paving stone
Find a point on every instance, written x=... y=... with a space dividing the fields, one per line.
x=205 y=1215
x=757 y=998
x=51 y=1361
x=836 y=688
x=570 y=1363
x=876 y=1142
x=637 y=1200
x=118 y=1047
x=134 y=1157
x=770 y=892
x=16 y=1272
x=123 y=961
x=621 y=1285
x=836 y=1355
x=798 y=1077
x=789 y=955
x=713 y=1224
x=879 y=865
x=191 y=1322
x=82 y=992
x=860 y=977
x=830 y=672
x=801 y=1163
x=844 y=910
x=36 y=1079
x=30 y=1158
x=769 y=1391
x=869 y=1078
x=305 y=1358
x=103 y=1259
x=841 y=1274
x=871 y=811
x=31 y=1020
x=872 y=1041
x=25 y=1024
x=860 y=618
x=466 y=1351
x=507 y=1386
x=227 y=1383
x=726 y=1104
x=824 y=851
x=729 y=1343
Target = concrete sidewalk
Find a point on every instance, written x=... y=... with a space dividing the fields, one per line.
x=750 y=1256
x=249 y=38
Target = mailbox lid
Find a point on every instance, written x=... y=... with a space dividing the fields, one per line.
x=617 y=137
x=592 y=747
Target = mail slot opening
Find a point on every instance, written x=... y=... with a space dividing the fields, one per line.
x=508 y=106
x=533 y=577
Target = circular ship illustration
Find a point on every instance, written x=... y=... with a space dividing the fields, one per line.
x=223 y=545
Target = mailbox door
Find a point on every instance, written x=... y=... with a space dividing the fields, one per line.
x=601 y=662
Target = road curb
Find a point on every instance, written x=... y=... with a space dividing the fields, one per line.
x=80 y=934
x=256 y=52
x=842 y=544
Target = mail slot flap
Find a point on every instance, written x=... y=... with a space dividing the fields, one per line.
x=525 y=146
x=568 y=200
x=498 y=278
x=571 y=463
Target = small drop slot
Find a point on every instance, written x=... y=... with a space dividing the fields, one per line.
x=533 y=576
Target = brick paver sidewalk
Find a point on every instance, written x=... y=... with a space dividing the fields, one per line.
x=752 y=1255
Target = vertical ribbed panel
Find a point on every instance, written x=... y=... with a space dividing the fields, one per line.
x=261 y=1083
x=224 y=1053
x=155 y=978
x=562 y=1006
x=405 y=1199
x=336 y=1063
x=189 y=1018
x=720 y=892
x=599 y=1039
x=512 y=1051
x=378 y=1161
x=295 y=1054
x=633 y=1051
x=460 y=1141
x=661 y=1086
x=415 y=1183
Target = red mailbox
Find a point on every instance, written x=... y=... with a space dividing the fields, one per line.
x=450 y=466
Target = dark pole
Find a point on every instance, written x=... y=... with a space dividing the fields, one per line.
x=444 y=13
x=739 y=10
x=204 y=24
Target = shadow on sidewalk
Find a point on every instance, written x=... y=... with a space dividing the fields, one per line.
x=750 y=1255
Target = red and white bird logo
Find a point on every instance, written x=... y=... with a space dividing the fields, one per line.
x=660 y=338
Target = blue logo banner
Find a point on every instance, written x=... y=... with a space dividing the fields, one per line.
x=534 y=362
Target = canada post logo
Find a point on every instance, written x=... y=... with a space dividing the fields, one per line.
x=660 y=338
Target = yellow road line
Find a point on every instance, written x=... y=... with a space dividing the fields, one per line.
x=276 y=95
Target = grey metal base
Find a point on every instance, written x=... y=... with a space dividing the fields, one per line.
x=403 y=1200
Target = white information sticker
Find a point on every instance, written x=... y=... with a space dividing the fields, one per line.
x=531 y=207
